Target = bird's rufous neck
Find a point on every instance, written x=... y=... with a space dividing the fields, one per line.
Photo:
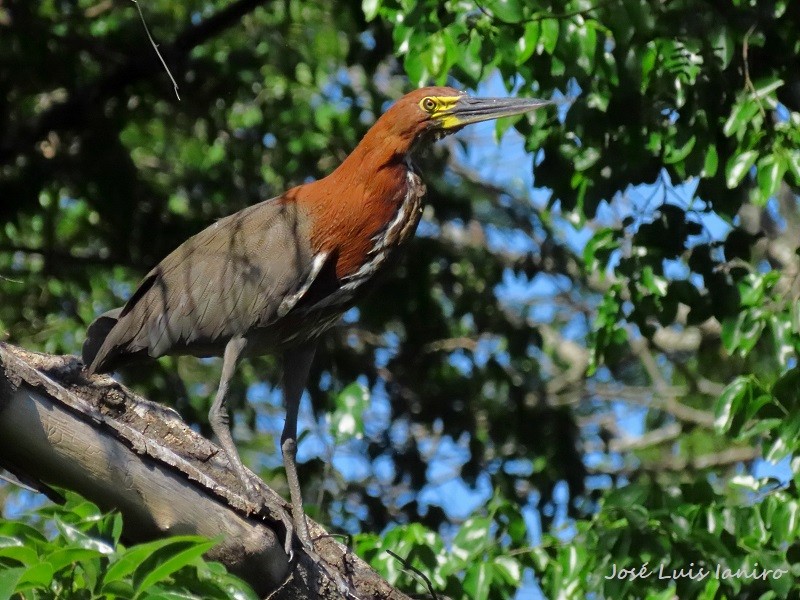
x=382 y=147
x=355 y=203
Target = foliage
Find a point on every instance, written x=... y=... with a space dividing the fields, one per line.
x=645 y=541
x=612 y=355
x=484 y=559
x=74 y=551
x=685 y=541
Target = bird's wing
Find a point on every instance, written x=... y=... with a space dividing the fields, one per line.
x=245 y=270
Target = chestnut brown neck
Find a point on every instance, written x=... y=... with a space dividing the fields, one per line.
x=355 y=203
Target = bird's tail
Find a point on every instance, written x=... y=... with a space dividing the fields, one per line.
x=96 y=334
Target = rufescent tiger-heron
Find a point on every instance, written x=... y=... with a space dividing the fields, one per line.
x=274 y=276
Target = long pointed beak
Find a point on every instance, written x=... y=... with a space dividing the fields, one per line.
x=474 y=110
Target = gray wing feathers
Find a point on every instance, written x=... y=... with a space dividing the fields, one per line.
x=237 y=274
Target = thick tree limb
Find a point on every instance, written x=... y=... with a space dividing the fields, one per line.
x=121 y=451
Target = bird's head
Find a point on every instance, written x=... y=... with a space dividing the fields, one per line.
x=428 y=114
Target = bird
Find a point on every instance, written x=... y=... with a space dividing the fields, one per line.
x=275 y=276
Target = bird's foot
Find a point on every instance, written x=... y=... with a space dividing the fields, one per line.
x=255 y=500
x=328 y=570
x=253 y=497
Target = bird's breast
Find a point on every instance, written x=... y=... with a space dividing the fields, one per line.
x=394 y=235
x=359 y=260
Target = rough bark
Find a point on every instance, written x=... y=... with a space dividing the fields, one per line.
x=94 y=436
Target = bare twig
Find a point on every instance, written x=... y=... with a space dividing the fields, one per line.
x=79 y=105
x=664 y=400
x=450 y=344
x=748 y=83
x=543 y=16
x=98 y=9
x=659 y=436
x=414 y=570
x=677 y=464
x=155 y=47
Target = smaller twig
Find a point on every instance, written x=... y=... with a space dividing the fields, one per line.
x=748 y=83
x=656 y=437
x=569 y=14
x=414 y=570
x=641 y=348
x=155 y=47
x=676 y=464
x=451 y=344
x=542 y=16
x=98 y=9
x=283 y=584
x=347 y=539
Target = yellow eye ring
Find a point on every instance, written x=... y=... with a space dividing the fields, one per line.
x=428 y=104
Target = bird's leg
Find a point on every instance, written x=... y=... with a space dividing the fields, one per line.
x=219 y=420
x=296 y=365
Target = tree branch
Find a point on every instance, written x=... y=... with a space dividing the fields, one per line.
x=92 y=435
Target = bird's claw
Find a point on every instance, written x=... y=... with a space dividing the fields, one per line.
x=328 y=570
x=254 y=501
x=253 y=497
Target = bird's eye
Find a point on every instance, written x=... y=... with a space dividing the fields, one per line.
x=428 y=104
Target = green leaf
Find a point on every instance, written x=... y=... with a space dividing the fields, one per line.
x=599 y=248
x=549 y=35
x=588 y=40
x=509 y=569
x=785 y=520
x=655 y=284
x=711 y=162
x=165 y=561
x=416 y=68
x=738 y=166
x=471 y=61
x=116 y=528
x=724 y=46
x=508 y=11
x=132 y=558
x=473 y=537
x=14 y=549
x=586 y=158
x=740 y=117
x=710 y=590
x=8 y=581
x=347 y=420
x=648 y=62
x=22 y=531
x=437 y=56
x=676 y=154
x=130 y=561
x=765 y=87
x=527 y=43
x=370 y=8
x=161 y=594
x=40 y=575
x=66 y=556
x=730 y=403
x=793 y=164
x=478 y=580
x=771 y=170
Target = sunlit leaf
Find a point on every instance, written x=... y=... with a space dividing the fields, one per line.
x=738 y=166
